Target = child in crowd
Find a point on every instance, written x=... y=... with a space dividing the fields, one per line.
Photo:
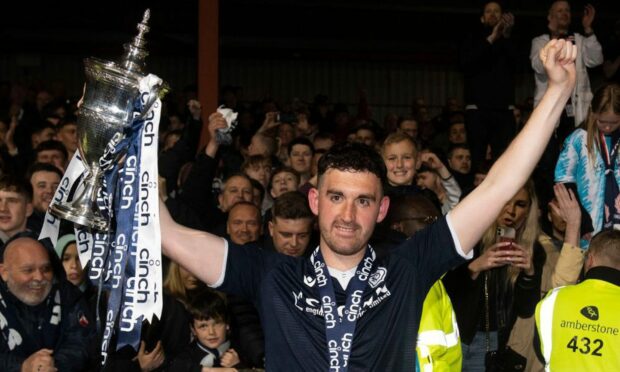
x=589 y=163
x=66 y=250
x=210 y=327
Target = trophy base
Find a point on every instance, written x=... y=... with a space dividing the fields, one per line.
x=84 y=217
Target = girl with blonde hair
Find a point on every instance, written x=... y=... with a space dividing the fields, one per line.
x=589 y=161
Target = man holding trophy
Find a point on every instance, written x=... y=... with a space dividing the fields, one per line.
x=110 y=192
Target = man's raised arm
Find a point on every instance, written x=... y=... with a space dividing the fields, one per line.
x=200 y=253
x=472 y=216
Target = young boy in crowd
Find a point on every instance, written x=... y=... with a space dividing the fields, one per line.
x=210 y=327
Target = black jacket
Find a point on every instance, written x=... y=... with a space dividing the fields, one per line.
x=73 y=334
x=505 y=303
x=488 y=70
x=75 y=330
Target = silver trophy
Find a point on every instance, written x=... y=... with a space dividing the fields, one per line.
x=106 y=111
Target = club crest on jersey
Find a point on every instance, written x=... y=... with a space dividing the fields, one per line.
x=377 y=277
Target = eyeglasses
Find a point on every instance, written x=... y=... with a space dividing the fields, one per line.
x=424 y=219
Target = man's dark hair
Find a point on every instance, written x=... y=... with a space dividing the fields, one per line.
x=300 y=141
x=67 y=120
x=369 y=127
x=41 y=126
x=456 y=118
x=42 y=167
x=209 y=305
x=14 y=184
x=457 y=146
x=353 y=157
x=51 y=145
x=292 y=205
x=323 y=135
x=402 y=119
x=176 y=132
x=254 y=161
x=283 y=169
x=485 y=3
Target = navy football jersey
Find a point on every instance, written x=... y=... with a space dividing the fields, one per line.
x=285 y=292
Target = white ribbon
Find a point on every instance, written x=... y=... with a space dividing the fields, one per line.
x=51 y=224
x=147 y=211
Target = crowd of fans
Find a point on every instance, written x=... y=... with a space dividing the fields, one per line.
x=254 y=192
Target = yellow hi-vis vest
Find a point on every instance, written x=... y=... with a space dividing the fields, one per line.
x=579 y=327
x=438 y=346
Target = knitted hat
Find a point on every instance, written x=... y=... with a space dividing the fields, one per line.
x=62 y=244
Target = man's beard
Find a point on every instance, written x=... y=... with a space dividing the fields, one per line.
x=28 y=298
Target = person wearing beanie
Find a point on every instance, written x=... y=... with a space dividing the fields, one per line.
x=66 y=249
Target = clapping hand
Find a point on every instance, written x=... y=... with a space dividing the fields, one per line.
x=588 y=17
x=508 y=19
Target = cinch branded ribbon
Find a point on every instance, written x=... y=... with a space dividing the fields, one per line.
x=339 y=329
x=126 y=260
x=72 y=176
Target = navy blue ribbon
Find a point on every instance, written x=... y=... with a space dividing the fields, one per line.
x=339 y=330
x=123 y=185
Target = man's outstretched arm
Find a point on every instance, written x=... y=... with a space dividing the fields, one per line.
x=199 y=252
x=472 y=216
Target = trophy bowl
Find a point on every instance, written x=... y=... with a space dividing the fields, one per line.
x=107 y=109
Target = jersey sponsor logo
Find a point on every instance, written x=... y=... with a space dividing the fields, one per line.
x=328 y=313
x=382 y=293
x=356 y=299
x=334 y=353
x=590 y=312
x=320 y=273
x=377 y=277
x=313 y=306
x=365 y=271
x=308 y=305
x=335 y=349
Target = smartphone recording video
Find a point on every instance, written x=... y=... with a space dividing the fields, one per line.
x=505 y=234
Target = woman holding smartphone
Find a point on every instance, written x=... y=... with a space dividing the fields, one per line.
x=500 y=282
